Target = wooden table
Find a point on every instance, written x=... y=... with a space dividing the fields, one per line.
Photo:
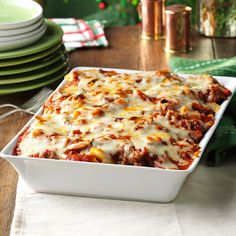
x=126 y=50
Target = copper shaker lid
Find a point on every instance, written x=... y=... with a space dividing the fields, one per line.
x=152 y=0
x=178 y=8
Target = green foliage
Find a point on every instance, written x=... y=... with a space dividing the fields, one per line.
x=119 y=12
x=116 y=15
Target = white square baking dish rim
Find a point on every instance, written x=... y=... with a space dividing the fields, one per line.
x=107 y=180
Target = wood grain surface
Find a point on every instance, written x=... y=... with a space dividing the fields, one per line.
x=126 y=50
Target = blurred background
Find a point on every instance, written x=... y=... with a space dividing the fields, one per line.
x=110 y=12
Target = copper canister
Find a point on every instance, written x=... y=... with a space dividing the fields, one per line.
x=152 y=13
x=177 y=28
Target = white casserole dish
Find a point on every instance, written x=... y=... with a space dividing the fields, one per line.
x=107 y=180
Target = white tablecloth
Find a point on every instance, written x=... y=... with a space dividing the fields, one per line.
x=206 y=205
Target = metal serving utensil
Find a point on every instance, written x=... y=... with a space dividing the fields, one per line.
x=30 y=106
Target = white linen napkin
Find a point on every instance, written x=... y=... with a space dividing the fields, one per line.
x=206 y=205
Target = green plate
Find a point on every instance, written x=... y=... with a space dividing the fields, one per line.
x=34 y=75
x=38 y=64
x=30 y=58
x=52 y=36
x=8 y=89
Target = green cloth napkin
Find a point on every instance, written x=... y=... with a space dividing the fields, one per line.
x=223 y=142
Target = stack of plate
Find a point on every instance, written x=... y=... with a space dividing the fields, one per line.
x=33 y=54
x=21 y=23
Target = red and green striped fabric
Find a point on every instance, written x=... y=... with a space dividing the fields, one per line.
x=79 y=33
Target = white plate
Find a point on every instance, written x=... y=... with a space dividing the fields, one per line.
x=36 y=31
x=18 y=13
x=22 y=30
x=10 y=45
x=107 y=180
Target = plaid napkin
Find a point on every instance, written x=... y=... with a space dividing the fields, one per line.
x=80 y=33
x=223 y=143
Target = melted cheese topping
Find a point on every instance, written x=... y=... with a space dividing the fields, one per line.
x=135 y=119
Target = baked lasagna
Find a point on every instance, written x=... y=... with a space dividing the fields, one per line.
x=154 y=119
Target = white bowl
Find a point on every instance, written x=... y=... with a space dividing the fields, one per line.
x=22 y=30
x=19 y=43
x=18 y=13
x=37 y=31
x=107 y=180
